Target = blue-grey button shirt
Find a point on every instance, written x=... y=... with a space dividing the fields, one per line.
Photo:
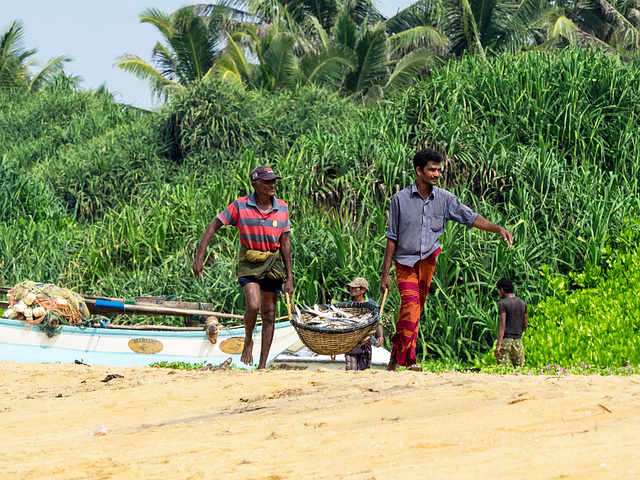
x=416 y=224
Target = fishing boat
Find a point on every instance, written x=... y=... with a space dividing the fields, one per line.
x=25 y=343
x=101 y=342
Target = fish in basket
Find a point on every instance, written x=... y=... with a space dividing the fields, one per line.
x=333 y=329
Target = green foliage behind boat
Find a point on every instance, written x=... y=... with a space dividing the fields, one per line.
x=103 y=199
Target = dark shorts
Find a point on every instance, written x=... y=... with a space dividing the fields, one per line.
x=266 y=284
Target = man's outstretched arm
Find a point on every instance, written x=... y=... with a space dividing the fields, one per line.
x=485 y=225
x=204 y=242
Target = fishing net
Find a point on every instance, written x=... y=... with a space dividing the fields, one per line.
x=45 y=303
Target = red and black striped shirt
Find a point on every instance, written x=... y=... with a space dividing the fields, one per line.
x=258 y=231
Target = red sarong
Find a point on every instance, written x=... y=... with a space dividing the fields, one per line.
x=413 y=283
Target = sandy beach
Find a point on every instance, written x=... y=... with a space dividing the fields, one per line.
x=320 y=424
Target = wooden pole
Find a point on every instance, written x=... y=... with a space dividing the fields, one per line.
x=384 y=300
x=157 y=310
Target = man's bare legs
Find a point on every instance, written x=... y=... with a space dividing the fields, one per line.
x=268 y=316
x=265 y=303
x=252 y=299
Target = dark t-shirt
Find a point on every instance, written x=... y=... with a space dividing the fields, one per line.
x=515 y=309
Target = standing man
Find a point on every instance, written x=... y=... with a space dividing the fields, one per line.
x=360 y=358
x=514 y=320
x=264 y=259
x=417 y=219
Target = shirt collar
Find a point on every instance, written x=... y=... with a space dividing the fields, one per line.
x=414 y=191
x=251 y=201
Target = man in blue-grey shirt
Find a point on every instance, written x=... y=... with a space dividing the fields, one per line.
x=417 y=219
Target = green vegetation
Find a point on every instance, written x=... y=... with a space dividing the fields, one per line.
x=597 y=324
x=105 y=200
x=178 y=365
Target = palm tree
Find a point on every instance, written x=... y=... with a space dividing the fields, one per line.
x=194 y=41
x=476 y=26
x=325 y=12
x=371 y=63
x=472 y=26
x=610 y=26
x=277 y=65
x=342 y=51
x=15 y=63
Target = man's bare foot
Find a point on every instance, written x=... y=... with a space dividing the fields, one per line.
x=392 y=366
x=247 y=353
x=415 y=368
x=262 y=367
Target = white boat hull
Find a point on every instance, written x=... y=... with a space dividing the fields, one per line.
x=20 y=342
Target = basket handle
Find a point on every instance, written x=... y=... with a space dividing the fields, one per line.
x=383 y=301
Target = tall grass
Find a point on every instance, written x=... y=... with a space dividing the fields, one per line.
x=544 y=144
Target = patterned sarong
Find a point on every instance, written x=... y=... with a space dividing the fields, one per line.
x=413 y=283
x=360 y=360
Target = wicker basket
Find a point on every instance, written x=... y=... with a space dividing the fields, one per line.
x=335 y=342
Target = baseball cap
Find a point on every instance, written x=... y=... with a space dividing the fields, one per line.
x=263 y=173
x=359 y=282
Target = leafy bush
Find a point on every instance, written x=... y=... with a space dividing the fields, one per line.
x=596 y=326
x=219 y=120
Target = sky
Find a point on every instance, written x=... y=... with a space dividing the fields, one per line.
x=94 y=33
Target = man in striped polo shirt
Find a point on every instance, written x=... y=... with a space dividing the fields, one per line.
x=265 y=255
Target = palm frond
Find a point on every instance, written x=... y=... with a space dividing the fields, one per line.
x=235 y=54
x=416 y=38
x=460 y=25
x=325 y=11
x=12 y=40
x=193 y=45
x=362 y=11
x=563 y=28
x=371 y=68
x=13 y=72
x=45 y=76
x=265 y=11
x=159 y=19
x=528 y=11
x=565 y=31
x=327 y=67
x=228 y=69
x=345 y=32
x=320 y=32
x=224 y=10
x=135 y=65
x=410 y=67
x=421 y=13
x=281 y=62
x=165 y=60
